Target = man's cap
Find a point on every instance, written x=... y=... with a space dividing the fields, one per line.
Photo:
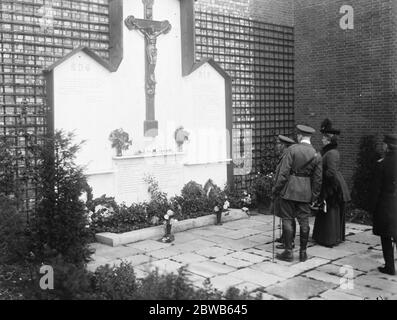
x=391 y=139
x=305 y=129
x=285 y=139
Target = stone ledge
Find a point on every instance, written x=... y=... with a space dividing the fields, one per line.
x=118 y=239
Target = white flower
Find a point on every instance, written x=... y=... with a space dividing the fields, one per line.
x=99 y=207
x=174 y=221
x=245 y=209
x=166 y=217
x=170 y=213
x=216 y=209
x=226 y=205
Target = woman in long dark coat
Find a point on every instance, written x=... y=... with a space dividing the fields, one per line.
x=384 y=202
x=329 y=225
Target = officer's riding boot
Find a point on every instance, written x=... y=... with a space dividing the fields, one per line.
x=287 y=254
x=304 y=238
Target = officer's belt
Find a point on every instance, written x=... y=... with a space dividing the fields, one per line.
x=299 y=174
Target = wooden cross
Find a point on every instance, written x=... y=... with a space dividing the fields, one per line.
x=150 y=29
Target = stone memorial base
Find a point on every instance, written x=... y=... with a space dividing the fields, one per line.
x=126 y=180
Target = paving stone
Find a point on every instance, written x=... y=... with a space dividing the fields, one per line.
x=188 y=258
x=241 y=233
x=98 y=247
x=365 y=292
x=204 y=232
x=256 y=277
x=183 y=237
x=357 y=226
x=118 y=252
x=351 y=232
x=365 y=237
x=246 y=256
x=299 y=288
x=140 y=274
x=280 y=271
x=98 y=259
x=195 y=279
x=217 y=239
x=264 y=296
x=376 y=283
x=213 y=252
x=375 y=255
x=358 y=262
x=163 y=266
x=233 y=262
x=194 y=245
x=148 y=245
x=328 y=253
x=164 y=253
x=237 y=245
x=316 y=298
x=380 y=275
x=261 y=239
x=136 y=260
x=262 y=253
x=268 y=228
x=336 y=270
x=353 y=247
x=338 y=295
x=248 y=286
x=209 y=269
x=223 y=282
x=323 y=276
x=311 y=263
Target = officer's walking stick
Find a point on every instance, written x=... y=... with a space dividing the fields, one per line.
x=274 y=225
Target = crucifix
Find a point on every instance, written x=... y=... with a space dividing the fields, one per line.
x=151 y=30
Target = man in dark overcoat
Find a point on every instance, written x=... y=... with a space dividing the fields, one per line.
x=384 y=202
x=298 y=184
x=283 y=143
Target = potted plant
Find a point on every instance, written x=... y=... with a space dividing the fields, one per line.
x=120 y=141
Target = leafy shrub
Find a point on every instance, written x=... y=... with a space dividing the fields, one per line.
x=194 y=202
x=121 y=219
x=215 y=196
x=158 y=204
x=13 y=242
x=7 y=181
x=262 y=187
x=364 y=172
x=60 y=223
x=115 y=283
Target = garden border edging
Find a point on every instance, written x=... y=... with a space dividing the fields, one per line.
x=157 y=232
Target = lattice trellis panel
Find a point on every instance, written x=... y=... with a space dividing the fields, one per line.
x=260 y=59
x=33 y=35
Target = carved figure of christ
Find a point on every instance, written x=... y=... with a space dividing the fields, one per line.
x=151 y=30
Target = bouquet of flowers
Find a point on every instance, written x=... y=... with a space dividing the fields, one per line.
x=168 y=221
x=221 y=209
x=247 y=201
x=120 y=140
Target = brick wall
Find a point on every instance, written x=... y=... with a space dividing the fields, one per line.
x=346 y=75
x=270 y=11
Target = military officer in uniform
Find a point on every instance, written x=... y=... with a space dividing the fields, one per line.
x=283 y=143
x=298 y=184
x=384 y=202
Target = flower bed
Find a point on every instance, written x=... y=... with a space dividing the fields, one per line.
x=158 y=232
x=106 y=216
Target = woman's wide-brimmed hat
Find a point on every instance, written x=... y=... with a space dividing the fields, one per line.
x=326 y=128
